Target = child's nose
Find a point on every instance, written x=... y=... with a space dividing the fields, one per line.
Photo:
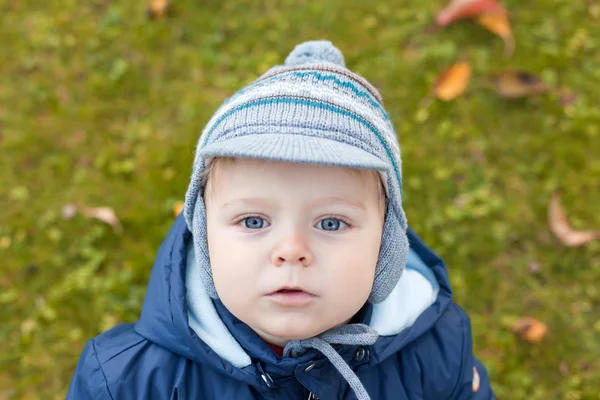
x=293 y=250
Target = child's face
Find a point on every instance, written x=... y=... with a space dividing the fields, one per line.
x=273 y=225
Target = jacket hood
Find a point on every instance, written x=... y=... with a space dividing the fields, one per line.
x=177 y=314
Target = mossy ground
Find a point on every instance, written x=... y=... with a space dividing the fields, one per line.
x=100 y=106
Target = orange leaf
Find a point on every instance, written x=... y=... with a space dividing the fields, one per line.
x=497 y=23
x=514 y=84
x=104 y=214
x=158 y=9
x=563 y=230
x=453 y=81
x=530 y=329
x=463 y=9
x=178 y=208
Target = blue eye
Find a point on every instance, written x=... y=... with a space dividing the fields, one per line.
x=330 y=224
x=254 y=222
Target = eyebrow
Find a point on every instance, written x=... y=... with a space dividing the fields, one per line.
x=255 y=201
x=259 y=201
x=334 y=199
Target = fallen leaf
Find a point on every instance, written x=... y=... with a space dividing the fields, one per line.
x=497 y=23
x=463 y=9
x=560 y=226
x=158 y=9
x=453 y=81
x=178 y=208
x=104 y=214
x=512 y=84
x=530 y=329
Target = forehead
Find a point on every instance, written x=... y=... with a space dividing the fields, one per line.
x=270 y=171
x=230 y=178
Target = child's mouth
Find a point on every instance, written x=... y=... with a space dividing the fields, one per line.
x=291 y=297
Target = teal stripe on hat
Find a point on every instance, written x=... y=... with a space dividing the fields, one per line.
x=321 y=77
x=310 y=103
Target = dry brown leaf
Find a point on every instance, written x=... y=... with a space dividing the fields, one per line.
x=463 y=9
x=104 y=214
x=497 y=23
x=560 y=226
x=513 y=84
x=178 y=208
x=453 y=81
x=158 y=9
x=530 y=329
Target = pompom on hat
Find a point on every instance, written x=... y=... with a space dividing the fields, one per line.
x=310 y=110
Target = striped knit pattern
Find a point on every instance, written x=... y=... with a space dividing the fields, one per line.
x=285 y=115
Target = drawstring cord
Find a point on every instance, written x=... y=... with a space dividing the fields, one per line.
x=352 y=334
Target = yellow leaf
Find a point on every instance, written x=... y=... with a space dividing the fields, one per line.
x=497 y=23
x=453 y=81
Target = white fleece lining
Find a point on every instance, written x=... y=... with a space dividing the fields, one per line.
x=206 y=322
x=412 y=295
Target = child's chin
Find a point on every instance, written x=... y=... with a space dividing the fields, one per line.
x=295 y=335
x=294 y=331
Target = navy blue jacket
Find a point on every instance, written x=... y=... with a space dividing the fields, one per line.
x=161 y=357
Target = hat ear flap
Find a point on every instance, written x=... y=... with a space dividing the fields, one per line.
x=393 y=254
x=195 y=217
x=200 y=238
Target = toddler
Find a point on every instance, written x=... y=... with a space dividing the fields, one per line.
x=292 y=272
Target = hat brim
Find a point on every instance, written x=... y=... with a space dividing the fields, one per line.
x=295 y=148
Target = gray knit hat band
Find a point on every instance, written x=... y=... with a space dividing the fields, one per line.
x=306 y=149
x=313 y=110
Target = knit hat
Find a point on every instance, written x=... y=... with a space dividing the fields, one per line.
x=310 y=110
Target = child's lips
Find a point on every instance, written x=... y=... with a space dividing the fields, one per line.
x=290 y=289
x=291 y=297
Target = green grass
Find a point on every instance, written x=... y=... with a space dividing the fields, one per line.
x=100 y=106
